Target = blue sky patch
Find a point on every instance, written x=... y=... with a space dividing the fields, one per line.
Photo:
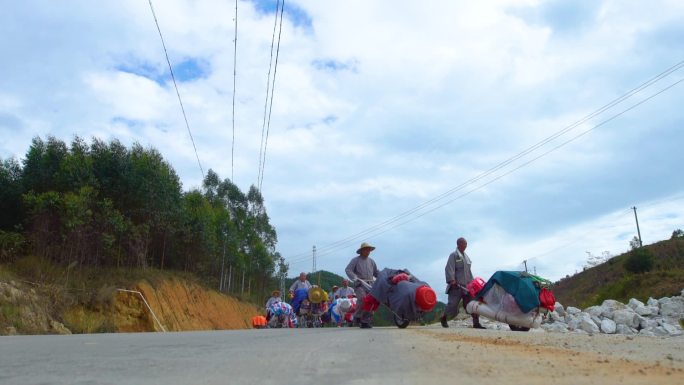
x=330 y=119
x=191 y=69
x=9 y=121
x=187 y=70
x=562 y=16
x=125 y=121
x=146 y=70
x=294 y=13
x=333 y=65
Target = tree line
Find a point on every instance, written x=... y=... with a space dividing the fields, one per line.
x=103 y=204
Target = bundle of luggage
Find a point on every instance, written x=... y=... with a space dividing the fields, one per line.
x=342 y=310
x=310 y=305
x=517 y=298
x=407 y=297
x=281 y=315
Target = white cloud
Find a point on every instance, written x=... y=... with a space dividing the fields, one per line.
x=426 y=96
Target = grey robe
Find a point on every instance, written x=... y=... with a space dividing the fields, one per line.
x=297 y=284
x=343 y=292
x=363 y=268
x=458 y=268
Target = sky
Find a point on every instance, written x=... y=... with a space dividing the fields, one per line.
x=402 y=124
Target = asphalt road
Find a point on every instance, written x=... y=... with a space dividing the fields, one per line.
x=418 y=355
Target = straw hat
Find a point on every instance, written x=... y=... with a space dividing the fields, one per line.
x=316 y=295
x=364 y=246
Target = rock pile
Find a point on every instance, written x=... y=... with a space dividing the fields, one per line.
x=662 y=317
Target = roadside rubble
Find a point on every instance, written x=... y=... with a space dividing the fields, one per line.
x=657 y=317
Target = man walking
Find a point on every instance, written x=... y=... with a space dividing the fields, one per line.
x=301 y=283
x=362 y=267
x=345 y=291
x=458 y=275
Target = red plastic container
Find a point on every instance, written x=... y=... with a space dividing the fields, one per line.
x=475 y=286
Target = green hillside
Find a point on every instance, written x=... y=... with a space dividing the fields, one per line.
x=322 y=278
x=613 y=280
x=383 y=317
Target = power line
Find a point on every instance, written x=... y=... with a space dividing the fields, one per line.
x=268 y=91
x=375 y=230
x=581 y=237
x=232 y=150
x=505 y=163
x=526 y=163
x=664 y=200
x=173 y=77
x=275 y=70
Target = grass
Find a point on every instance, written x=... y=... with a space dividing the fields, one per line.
x=80 y=319
x=6 y=274
x=655 y=284
x=11 y=314
x=611 y=280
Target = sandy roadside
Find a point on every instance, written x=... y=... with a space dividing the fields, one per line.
x=503 y=357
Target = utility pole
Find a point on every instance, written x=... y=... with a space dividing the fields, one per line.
x=313 y=269
x=525 y=262
x=222 y=280
x=641 y=244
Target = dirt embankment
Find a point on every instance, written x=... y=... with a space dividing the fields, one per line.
x=178 y=304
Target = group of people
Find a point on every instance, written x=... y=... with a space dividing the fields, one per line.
x=362 y=271
x=322 y=304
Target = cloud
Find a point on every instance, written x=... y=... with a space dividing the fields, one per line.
x=378 y=109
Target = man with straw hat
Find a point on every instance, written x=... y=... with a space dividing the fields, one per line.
x=362 y=267
x=333 y=293
x=275 y=297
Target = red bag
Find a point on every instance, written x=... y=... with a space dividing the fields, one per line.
x=400 y=277
x=370 y=303
x=475 y=286
x=546 y=299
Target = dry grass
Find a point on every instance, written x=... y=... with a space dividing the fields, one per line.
x=610 y=280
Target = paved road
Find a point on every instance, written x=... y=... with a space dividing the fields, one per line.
x=297 y=356
x=339 y=356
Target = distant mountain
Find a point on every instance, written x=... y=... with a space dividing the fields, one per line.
x=614 y=280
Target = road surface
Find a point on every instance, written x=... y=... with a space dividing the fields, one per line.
x=417 y=355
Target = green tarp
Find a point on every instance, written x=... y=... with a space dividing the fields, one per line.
x=519 y=284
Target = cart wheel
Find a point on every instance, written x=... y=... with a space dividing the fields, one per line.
x=518 y=328
x=401 y=323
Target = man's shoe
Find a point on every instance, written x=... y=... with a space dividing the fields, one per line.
x=443 y=321
x=478 y=326
x=365 y=325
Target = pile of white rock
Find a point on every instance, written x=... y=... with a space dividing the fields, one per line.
x=657 y=317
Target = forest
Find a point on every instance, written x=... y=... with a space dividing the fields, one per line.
x=105 y=205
